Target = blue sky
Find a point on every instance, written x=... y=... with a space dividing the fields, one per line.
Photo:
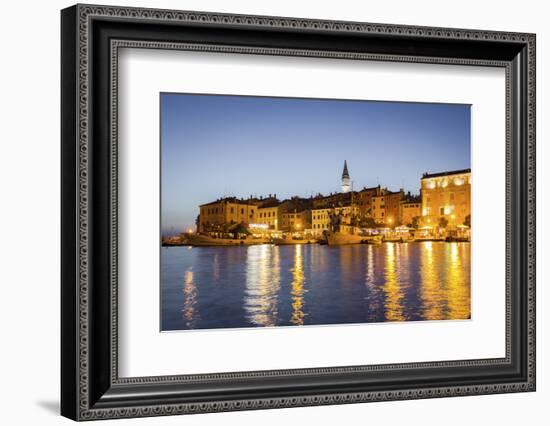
x=215 y=145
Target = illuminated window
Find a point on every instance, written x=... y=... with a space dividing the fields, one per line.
x=447 y=210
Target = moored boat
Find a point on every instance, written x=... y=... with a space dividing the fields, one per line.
x=429 y=238
x=288 y=240
x=341 y=238
x=398 y=239
x=199 y=240
x=376 y=239
x=457 y=239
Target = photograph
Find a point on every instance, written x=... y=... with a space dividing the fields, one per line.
x=267 y=208
x=306 y=212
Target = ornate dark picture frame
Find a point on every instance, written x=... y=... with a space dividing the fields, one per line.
x=91 y=37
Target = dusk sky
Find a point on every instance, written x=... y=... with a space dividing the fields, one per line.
x=215 y=146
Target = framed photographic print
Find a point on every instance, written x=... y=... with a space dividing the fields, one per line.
x=263 y=212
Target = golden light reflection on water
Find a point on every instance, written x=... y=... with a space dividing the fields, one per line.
x=267 y=285
x=392 y=288
x=263 y=281
x=347 y=267
x=403 y=262
x=431 y=295
x=445 y=282
x=370 y=266
x=189 y=311
x=458 y=283
x=297 y=291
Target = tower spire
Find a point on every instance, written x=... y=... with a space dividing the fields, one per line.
x=345 y=173
x=346 y=186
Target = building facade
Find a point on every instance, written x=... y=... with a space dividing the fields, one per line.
x=269 y=211
x=446 y=195
x=392 y=207
x=295 y=221
x=410 y=210
x=218 y=215
x=321 y=218
x=364 y=200
x=269 y=216
x=378 y=208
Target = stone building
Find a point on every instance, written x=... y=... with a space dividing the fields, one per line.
x=217 y=215
x=363 y=200
x=321 y=218
x=268 y=216
x=385 y=207
x=446 y=195
x=378 y=207
x=296 y=221
x=269 y=212
x=392 y=207
x=295 y=214
x=410 y=208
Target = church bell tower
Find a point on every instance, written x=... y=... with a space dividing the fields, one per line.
x=346 y=183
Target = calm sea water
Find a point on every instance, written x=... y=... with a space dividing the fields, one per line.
x=267 y=285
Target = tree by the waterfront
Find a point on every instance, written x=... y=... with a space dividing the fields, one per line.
x=368 y=222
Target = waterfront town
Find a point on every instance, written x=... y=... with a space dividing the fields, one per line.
x=440 y=212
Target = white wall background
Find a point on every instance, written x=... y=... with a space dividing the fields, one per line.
x=29 y=184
